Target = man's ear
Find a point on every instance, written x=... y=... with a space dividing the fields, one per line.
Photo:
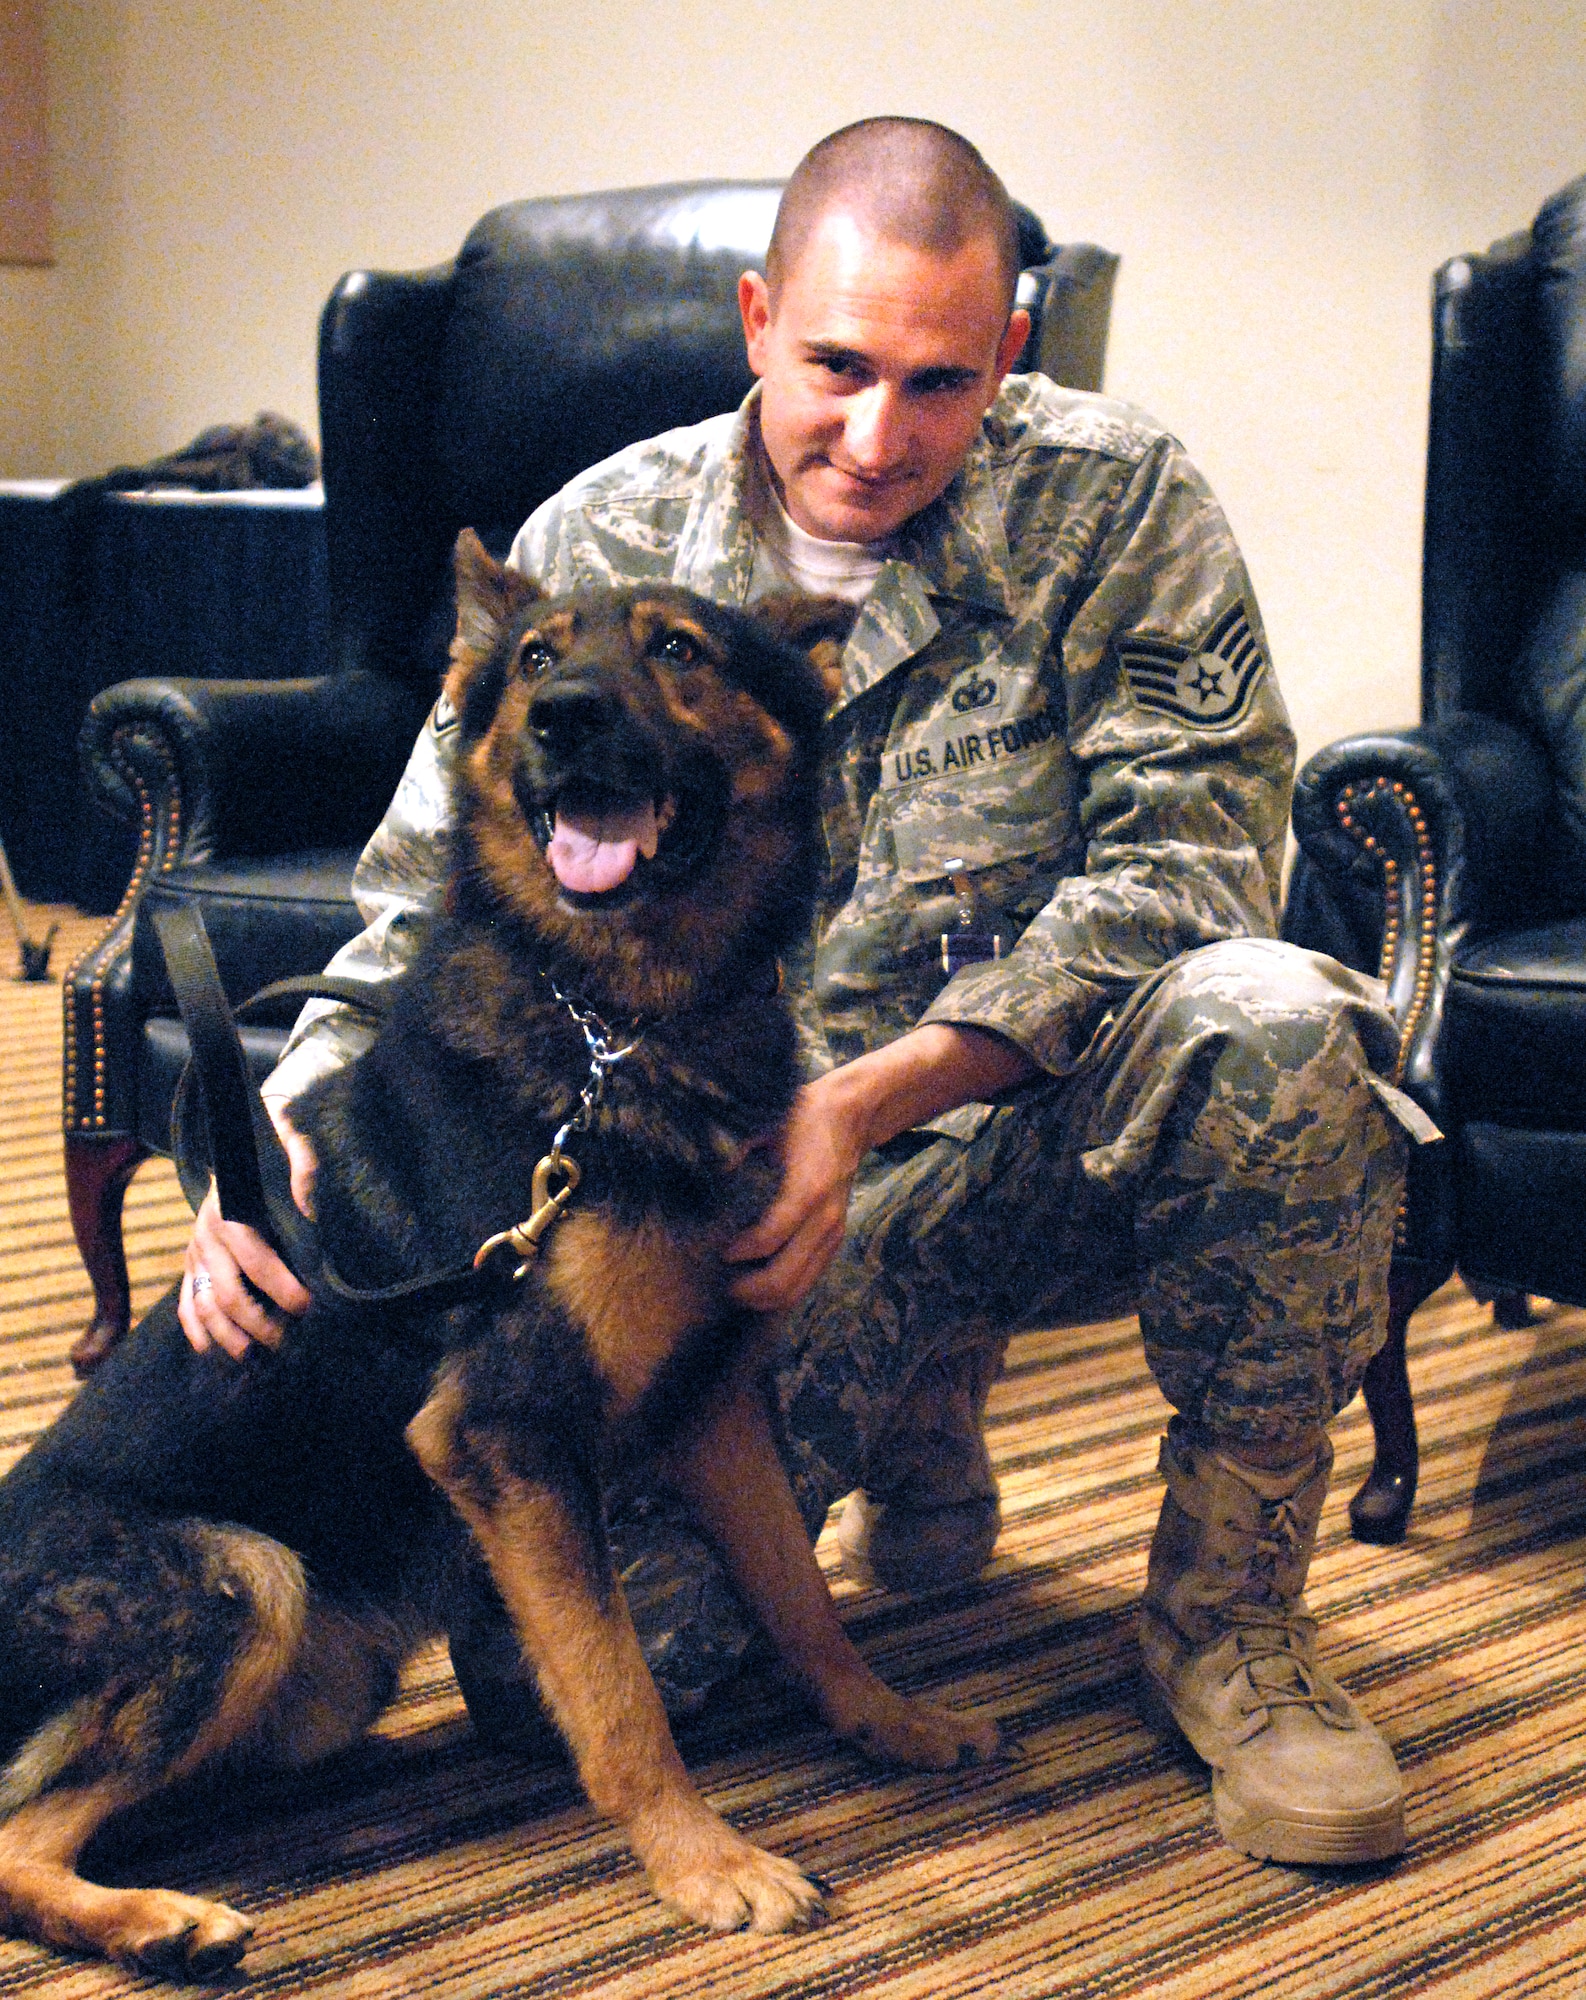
x=489 y=596
x=818 y=626
x=754 y=309
x=1011 y=346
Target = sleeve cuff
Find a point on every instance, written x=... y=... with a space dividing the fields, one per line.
x=319 y=1048
x=1048 y=1014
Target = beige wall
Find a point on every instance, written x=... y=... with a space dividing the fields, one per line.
x=1280 y=180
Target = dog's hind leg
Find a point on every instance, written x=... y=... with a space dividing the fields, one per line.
x=156 y=1720
x=153 y=1930
x=730 y=1474
x=345 y=1672
x=573 y=1622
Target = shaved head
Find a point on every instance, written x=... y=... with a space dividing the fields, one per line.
x=904 y=180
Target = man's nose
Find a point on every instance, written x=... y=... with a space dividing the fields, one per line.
x=876 y=430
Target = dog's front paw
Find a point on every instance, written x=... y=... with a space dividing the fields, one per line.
x=719 y=1879
x=156 y=1931
x=896 y=1731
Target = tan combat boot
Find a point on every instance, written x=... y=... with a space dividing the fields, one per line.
x=928 y=1514
x=1228 y=1647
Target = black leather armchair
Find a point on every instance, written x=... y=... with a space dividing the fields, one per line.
x=1452 y=855
x=459 y=396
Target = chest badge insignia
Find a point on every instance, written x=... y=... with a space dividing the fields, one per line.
x=979 y=691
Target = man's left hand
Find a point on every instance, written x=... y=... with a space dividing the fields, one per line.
x=834 y=1122
x=802 y=1231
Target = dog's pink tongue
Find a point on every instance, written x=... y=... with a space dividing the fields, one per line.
x=592 y=852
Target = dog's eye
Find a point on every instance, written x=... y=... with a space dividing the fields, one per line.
x=536 y=657
x=678 y=649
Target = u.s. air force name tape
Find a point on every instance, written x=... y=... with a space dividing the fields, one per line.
x=975 y=749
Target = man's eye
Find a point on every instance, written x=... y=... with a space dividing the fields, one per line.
x=678 y=649
x=536 y=657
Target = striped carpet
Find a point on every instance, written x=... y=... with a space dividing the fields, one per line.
x=1086 y=1865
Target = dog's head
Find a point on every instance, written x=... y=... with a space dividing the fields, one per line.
x=636 y=776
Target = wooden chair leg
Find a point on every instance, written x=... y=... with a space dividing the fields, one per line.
x=97 y=1173
x=1380 y=1511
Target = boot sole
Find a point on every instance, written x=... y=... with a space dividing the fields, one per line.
x=1332 y=1843
x=1332 y=1840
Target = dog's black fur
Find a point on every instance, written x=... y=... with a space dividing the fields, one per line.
x=206 y=1560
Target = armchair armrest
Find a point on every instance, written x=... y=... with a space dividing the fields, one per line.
x=1418 y=838
x=248 y=767
x=212 y=771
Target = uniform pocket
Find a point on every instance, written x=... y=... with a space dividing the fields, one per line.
x=971 y=797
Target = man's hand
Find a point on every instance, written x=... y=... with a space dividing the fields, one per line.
x=834 y=1122
x=215 y=1307
x=802 y=1230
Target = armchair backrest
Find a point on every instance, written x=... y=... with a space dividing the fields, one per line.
x=1506 y=455
x=564 y=329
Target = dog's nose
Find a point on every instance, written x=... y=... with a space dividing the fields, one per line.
x=569 y=712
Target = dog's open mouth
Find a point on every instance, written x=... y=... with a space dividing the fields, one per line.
x=597 y=841
x=594 y=849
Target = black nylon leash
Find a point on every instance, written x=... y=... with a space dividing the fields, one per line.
x=235 y=1140
x=243 y=1149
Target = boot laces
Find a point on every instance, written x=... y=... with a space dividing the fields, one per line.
x=1272 y=1641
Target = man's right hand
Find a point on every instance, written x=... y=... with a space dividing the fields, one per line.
x=215 y=1307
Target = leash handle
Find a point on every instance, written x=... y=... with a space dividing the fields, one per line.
x=249 y=1163
x=229 y=1098
x=253 y=1177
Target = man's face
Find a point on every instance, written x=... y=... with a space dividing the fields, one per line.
x=875 y=370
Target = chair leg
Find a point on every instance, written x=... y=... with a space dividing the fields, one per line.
x=97 y=1173
x=1380 y=1511
x=1512 y=1310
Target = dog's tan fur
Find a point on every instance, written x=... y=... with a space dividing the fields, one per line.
x=633 y=1291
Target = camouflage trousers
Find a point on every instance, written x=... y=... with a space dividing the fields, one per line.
x=1224 y=1159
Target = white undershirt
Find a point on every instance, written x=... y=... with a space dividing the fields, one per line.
x=786 y=554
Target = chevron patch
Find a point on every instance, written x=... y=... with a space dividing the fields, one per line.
x=1209 y=687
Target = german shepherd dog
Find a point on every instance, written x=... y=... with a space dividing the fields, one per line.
x=205 y=1562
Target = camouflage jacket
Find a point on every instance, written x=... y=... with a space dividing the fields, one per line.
x=1058 y=687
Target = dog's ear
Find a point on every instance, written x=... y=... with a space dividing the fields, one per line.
x=489 y=596
x=818 y=626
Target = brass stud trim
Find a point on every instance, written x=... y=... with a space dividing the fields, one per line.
x=159 y=844
x=1409 y=898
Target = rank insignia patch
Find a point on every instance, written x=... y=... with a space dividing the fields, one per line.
x=1208 y=687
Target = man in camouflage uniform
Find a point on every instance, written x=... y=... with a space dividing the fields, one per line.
x=1059 y=1065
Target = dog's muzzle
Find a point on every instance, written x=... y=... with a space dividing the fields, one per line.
x=595 y=790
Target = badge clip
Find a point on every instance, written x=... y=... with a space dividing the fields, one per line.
x=967 y=943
